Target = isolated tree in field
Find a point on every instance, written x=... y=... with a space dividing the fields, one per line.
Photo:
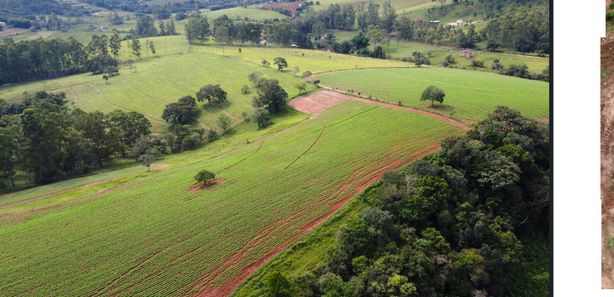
x=222 y=36
x=152 y=47
x=254 y=77
x=224 y=123
x=420 y=59
x=245 y=90
x=214 y=94
x=135 y=46
x=302 y=86
x=265 y=63
x=197 y=28
x=271 y=96
x=281 y=63
x=146 y=160
x=204 y=176
x=261 y=117
x=448 y=60
x=115 y=45
x=434 y=94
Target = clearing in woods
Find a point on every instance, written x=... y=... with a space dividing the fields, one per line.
x=136 y=232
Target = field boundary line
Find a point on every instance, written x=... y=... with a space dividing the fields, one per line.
x=310 y=147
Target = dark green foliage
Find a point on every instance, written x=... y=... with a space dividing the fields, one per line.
x=281 y=63
x=214 y=94
x=448 y=60
x=182 y=112
x=276 y=285
x=197 y=28
x=471 y=220
x=271 y=96
x=433 y=94
x=204 y=176
x=420 y=59
x=47 y=140
x=146 y=27
x=261 y=117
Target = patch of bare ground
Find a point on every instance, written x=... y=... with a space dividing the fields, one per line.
x=157 y=166
x=607 y=162
x=12 y=31
x=200 y=186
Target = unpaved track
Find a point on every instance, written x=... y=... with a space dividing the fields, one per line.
x=607 y=162
x=319 y=101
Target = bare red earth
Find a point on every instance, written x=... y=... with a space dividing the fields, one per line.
x=12 y=31
x=199 y=186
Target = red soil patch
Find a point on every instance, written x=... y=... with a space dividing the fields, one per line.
x=277 y=6
x=199 y=186
x=607 y=162
x=12 y=31
x=226 y=287
x=157 y=166
x=317 y=102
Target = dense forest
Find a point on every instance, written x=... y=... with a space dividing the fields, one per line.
x=19 y=13
x=471 y=220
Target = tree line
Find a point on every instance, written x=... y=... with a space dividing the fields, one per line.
x=46 y=139
x=471 y=220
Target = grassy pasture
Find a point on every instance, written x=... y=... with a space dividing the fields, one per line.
x=181 y=70
x=469 y=94
x=138 y=232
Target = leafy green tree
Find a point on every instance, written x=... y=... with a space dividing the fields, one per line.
x=147 y=159
x=204 y=176
x=115 y=45
x=265 y=63
x=420 y=59
x=145 y=27
x=128 y=127
x=214 y=94
x=224 y=123
x=197 y=28
x=182 y=112
x=222 y=35
x=276 y=285
x=135 y=46
x=10 y=152
x=434 y=94
x=448 y=60
x=271 y=96
x=261 y=117
x=281 y=63
x=152 y=47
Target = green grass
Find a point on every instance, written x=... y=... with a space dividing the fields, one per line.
x=181 y=70
x=139 y=232
x=469 y=94
x=306 y=254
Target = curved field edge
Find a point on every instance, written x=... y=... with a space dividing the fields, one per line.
x=470 y=95
x=152 y=236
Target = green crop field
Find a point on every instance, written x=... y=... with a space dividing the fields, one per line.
x=131 y=231
x=469 y=94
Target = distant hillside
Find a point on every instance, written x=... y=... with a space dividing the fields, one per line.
x=15 y=12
